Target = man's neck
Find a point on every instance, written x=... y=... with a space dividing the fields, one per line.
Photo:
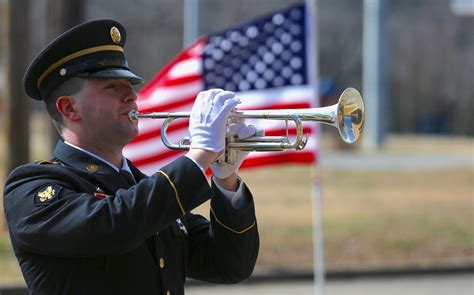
x=109 y=152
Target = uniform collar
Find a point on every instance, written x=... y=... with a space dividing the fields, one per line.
x=124 y=162
x=85 y=160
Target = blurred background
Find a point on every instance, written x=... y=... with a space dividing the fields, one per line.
x=406 y=202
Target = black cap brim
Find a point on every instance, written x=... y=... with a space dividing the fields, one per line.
x=113 y=74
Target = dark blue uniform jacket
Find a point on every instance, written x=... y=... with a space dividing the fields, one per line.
x=77 y=227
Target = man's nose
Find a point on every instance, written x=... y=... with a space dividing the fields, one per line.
x=132 y=96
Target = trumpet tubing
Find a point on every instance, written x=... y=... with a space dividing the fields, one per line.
x=347 y=116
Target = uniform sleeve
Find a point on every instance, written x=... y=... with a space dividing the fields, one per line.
x=225 y=249
x=49 y=213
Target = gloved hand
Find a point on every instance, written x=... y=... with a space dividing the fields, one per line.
x=242 y=131
x=208 y=120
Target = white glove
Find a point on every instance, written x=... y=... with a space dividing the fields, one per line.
x=242 y=131
x=208 y=120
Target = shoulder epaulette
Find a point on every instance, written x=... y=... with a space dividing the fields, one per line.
x=48 y=162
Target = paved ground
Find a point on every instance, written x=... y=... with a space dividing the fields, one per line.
x=459 y=284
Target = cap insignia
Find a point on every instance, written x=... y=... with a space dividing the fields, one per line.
x=115 y=35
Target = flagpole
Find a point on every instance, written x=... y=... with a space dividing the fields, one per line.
x=316 y=196
x=191 y=21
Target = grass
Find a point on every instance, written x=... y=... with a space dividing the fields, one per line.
x=9 y=269
x=372 y=219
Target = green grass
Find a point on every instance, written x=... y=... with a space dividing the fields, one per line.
x=5 y=248
x=10 y=271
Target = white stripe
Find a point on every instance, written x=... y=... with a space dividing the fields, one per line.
x=257 y=99
x=197 y=49
x=186 y=68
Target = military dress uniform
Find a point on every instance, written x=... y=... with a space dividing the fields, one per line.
x=78 y=226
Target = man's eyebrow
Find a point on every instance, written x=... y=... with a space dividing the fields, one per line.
x=108 y=83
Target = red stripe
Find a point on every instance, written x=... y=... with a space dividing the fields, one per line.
x=302 y=157
x=180 y=81
x=150 y=86
x=291 y=131
x=156 y=158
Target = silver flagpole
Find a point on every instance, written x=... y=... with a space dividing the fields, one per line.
x=191 y=21
x=316 y=197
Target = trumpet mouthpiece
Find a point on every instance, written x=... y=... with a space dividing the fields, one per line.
x=133 y=115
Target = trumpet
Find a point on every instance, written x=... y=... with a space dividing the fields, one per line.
x=347 y=116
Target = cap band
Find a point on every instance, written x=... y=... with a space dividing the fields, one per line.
x=76 y=55
x=93 y=65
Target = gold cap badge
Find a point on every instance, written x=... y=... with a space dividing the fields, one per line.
x=115 y=35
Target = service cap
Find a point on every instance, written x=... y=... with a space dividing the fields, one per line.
x=89 y=50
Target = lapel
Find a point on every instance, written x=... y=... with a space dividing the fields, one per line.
x=98 y=172
x=137 y=174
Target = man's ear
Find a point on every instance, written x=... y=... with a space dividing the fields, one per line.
x=67 y=106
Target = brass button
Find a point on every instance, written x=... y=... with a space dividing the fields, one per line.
x=92 y=167
x=162 y=262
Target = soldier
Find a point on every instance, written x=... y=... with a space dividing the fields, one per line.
x=87 y=221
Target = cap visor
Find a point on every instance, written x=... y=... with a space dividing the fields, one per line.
x=113 y=74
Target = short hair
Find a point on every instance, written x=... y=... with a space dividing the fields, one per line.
x=69 y=87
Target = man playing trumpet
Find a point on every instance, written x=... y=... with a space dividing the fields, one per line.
x=87 y=221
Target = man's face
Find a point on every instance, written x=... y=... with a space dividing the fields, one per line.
x=104 y=105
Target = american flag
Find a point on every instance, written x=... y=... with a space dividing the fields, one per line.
x=265 y=61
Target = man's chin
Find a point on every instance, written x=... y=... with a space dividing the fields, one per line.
x=126 y=133
x=131 y=134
